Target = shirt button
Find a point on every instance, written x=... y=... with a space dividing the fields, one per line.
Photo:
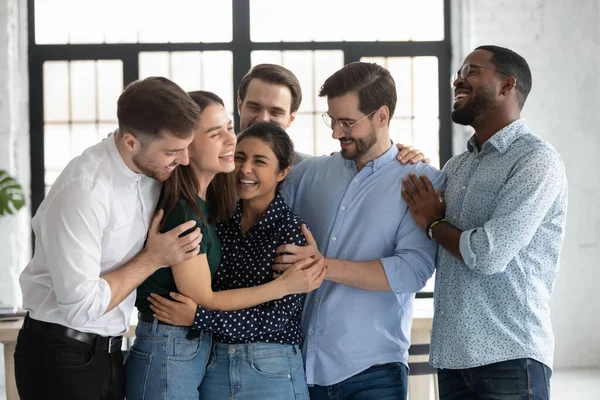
x=355 y=179
x=317 y=299
x=232 y=351
x=464 y=188
x=333 y=238
x=342 y=208
x=311 y=331
x=442 y=313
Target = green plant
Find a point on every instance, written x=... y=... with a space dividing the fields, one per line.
x=12 y=197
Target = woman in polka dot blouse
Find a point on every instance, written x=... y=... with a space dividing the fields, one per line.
x=257 y=346
x=166 y=361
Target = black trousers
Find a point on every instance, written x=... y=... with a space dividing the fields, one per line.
x=51 y=366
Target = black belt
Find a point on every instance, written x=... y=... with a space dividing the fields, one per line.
x=109 y=344
x=149 y=317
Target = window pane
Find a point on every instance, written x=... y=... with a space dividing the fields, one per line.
x=217 y=77
x=426 y=138
x=110 y=86
x=154 y=64
x=87 y=92
x=334 y=20
x=415 y=120
x=83 y=91
x=56 y=91
x=325 y=143
x=193 y=70
x=186 y=69
x=131 y=21
x=426 y=87
x=57 y=147
x=301 y=133
x=311 y=68
x=401 y=130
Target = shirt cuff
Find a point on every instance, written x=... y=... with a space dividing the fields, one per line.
x=203 y=318
x=391 y=271
x=105 y=296
x=468 y=255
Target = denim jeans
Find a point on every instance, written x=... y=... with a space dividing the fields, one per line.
x=163 y=365
x=265 y=371
x=380 y=382
x=521 y=379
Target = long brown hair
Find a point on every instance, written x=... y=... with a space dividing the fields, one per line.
x=183 y=184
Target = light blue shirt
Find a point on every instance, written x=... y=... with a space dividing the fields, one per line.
x=360 y=216
x=510 y=201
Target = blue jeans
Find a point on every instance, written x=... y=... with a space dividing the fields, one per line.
x=521 y=379
x=380 y=382
x=265 y=371
x=163 y=365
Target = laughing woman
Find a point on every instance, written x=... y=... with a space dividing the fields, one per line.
x=166 y=361
x=255 y=351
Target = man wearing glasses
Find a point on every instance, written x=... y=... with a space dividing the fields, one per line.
x=500 y=233
x=356 y=327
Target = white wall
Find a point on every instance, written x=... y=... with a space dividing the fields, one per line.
x=15 y=238
x=560 y=39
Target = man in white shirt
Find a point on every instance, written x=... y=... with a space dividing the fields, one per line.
x=89 y=249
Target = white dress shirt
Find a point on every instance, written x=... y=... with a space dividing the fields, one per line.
x=94 y=219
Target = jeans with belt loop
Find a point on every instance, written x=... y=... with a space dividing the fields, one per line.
x=266 y=371
x=164 y=364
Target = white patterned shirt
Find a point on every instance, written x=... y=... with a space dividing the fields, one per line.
x=510 y=201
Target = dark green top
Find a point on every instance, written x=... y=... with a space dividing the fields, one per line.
x=161 y=282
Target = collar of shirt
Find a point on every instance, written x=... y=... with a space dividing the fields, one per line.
x=380 y=161
x=502 y=139
x=114 y=154
x=271 y=219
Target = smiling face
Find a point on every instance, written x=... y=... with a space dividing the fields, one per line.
x=257 y=170
x=158 y=158
x=214 y=141
x=358 y=143
x=476 y=94
x=266 y=101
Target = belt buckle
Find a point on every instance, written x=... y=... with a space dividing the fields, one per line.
x=113 y=342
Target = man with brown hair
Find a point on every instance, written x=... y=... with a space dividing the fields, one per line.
x=89 y=250
x=270 y=92
x=356 y=326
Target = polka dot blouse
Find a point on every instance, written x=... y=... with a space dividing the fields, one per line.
x=247 y=262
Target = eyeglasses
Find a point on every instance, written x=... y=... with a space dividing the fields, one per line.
x=464 y=71
x=345 y=126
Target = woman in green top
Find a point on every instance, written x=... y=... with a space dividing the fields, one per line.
x=166 y=361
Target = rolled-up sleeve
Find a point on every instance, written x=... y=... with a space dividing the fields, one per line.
x=523 y=202
x=72 y=237
x=413 y=263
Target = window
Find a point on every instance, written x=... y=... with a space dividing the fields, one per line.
x=416 y=119
x=80 y=109
x=132 y=21
x=193 y=70
x=336 y=20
